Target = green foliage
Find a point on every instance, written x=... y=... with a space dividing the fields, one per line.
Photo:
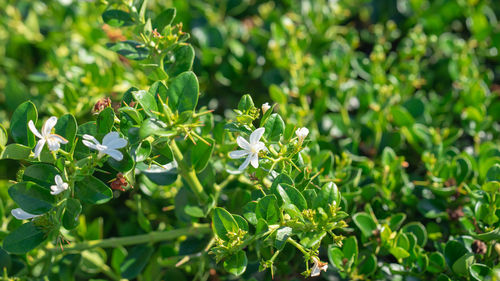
x=369 y=139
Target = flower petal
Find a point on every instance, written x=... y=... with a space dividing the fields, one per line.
x=20 y=214
x=115 y=154
x=256 y=135
x=49 y=125
x=33 y=129
x=261 y=146
x=58 y=180
x=114 y=141
x=254 y=160
x=315 y=270
x=53 y=144
x=245 y=164
x=39 y=147
x=243 y=143
x=109 y=137
x=91 y=138
x=237 y=154
x=58 y=138
x=89 y=144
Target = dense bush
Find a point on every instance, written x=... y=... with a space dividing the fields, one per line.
x=250 y=139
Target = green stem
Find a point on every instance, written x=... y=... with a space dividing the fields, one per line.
x=104 y=268
x=188 y=174
x=297 y=245
x=151 y=237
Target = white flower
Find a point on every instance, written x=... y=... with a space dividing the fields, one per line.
x=110 y=143
x=353 y=103
x=59 y=187
x=20 y=214
x=250 y=150
x=318 y=267
x=53 y=140
x=302 y=134
x=265 y=107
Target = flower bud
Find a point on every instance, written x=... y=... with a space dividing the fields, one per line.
x=265 y=107
x=302 y=134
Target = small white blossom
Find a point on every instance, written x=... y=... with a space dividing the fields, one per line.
x=265 y=107
x=302 y=134
x=318 y=267
x=20 y=214
x=353 y=103
x=250 y=149
x=53 y=140
x=59 y=187
x=110 y=143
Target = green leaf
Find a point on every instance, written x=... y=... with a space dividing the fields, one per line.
x=242 y=223
x=249 y=212
x=16 y=151
x=117 y=18
x=223 y=222
x=369 y=265
x=246 y=103
x=282 y=235
x=42 y=174
x=67 y=127
x=117 y=257
x=105 y=121
x=437 y=263
x=182 y=60
x=130 y=49
x=350 y=249
x=182 y=92
x=463 y=263
x=163 y=19
x=236 y=264
x=154 y=127
x=489 y=236
x=491 y=186
x=453 y=251
x=124 y=165
x=194 y=211
x=399 y=253
x=147 y=102
x=3 y=137
x=68 y=266
x=280 y=179
x=419 y=230
x=290 y=195
x=277 y=94
x=165 y=175
x=141 y=151
x=401 y=116
x=328 y=194
x=335 y=256
x=396 y=221
x=5 y=260
x=365 y=223
x=275 y=127
x=92 y=190
x=201 y=154
x=71 y=213
x=136 y=260
x=19 y=130
x=132 y=113
x=267 y=209
x=32 y=197
x=479 y=272
x=24 y=239
x=493 y=173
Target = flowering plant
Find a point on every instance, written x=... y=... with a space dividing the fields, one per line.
x=358 y=164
